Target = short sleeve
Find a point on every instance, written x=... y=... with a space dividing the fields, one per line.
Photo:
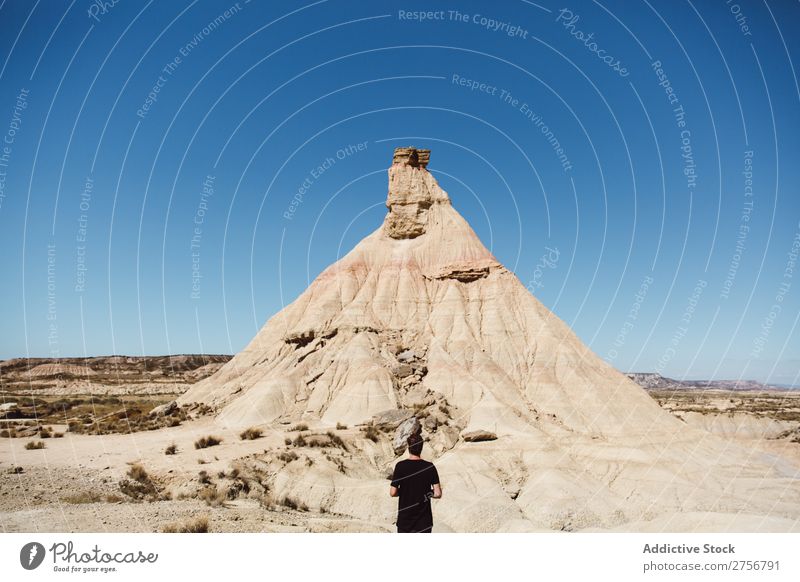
x=396 y=476
x=434 y=475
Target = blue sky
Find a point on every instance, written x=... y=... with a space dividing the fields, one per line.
x=156 y=149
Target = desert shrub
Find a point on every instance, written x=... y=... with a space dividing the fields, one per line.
x=171 y=449
x=16 y=470
x=138 y=485
x=287 y=441
x=212 y=496
x=251 y=434
x=197 y=525
x=336 y=440
x=238 y=487
x=340 y=426
x=298 y=427
x=207 y=441
x=288 y=456
x=83 y=497
x=371 y=433
x=34 y=445
x=44 y=433
x=300 y=441
x=292 y=504
x=58 y=435
x=203 y=477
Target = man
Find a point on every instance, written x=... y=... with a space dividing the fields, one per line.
x=415 y=481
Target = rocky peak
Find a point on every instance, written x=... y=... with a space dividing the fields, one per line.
x=412 y=192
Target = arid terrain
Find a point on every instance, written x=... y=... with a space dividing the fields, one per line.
x=419 y=328
x=61 y=488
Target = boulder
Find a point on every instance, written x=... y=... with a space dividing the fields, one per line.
x=391 y=419
x=8 y=408
x=475 y=436
x=164 y=409
x=405 y=430
x=402 y=370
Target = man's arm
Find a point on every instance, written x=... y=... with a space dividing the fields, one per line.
x=437 y=491
x=393 y=491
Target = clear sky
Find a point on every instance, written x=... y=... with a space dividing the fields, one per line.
x=173 y=173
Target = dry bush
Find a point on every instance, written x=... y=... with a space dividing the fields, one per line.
x=83 y=497
x=58 y=435
x=251 y=434
x=340 y=426
x=288 y=456
x=212 y=496
x=298 y=427
x=287 y=441
x=300 y=441
x=371 y=433
x=203 y=477
x=34 y=445
x=336 y=440
x=207 y=441
x=44 y=432
x=197 y=525
x=171 y=449
x=16 y=470
x=292 y=504
x=138 y=485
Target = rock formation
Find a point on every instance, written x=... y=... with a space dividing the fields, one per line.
x=420 y=307
x=528 y=427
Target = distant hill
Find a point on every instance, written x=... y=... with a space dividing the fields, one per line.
x=652 y=381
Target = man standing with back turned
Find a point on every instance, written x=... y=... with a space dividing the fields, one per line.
x=415 y=481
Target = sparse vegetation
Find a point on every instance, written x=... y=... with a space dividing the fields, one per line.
x=16 y=470
x=171 y=449
x=251 y=434
x=336 y=440
x=34 y=445
x=212 y=496
x=83 y=497
x=197 y=525
x=44 y=432
x=287 y=441
x=371 y=433
x=299 y=427
x=203 y=477
x=138 y=485
x=300 y=441
x=207 y=441
x=91 y=497
x=293 y=504
x=288 y=456
x=340 y=426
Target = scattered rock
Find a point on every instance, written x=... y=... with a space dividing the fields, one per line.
x=430 y=423
x=476 y=436
x=406 y=356
x=402 y=370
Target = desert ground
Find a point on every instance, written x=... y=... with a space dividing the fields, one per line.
x=87 y=477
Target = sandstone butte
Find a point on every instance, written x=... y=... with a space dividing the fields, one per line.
x=420 y=315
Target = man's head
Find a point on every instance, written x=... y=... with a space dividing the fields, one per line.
x=415 y=444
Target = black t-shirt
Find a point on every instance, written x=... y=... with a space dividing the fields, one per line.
x=414 y=480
